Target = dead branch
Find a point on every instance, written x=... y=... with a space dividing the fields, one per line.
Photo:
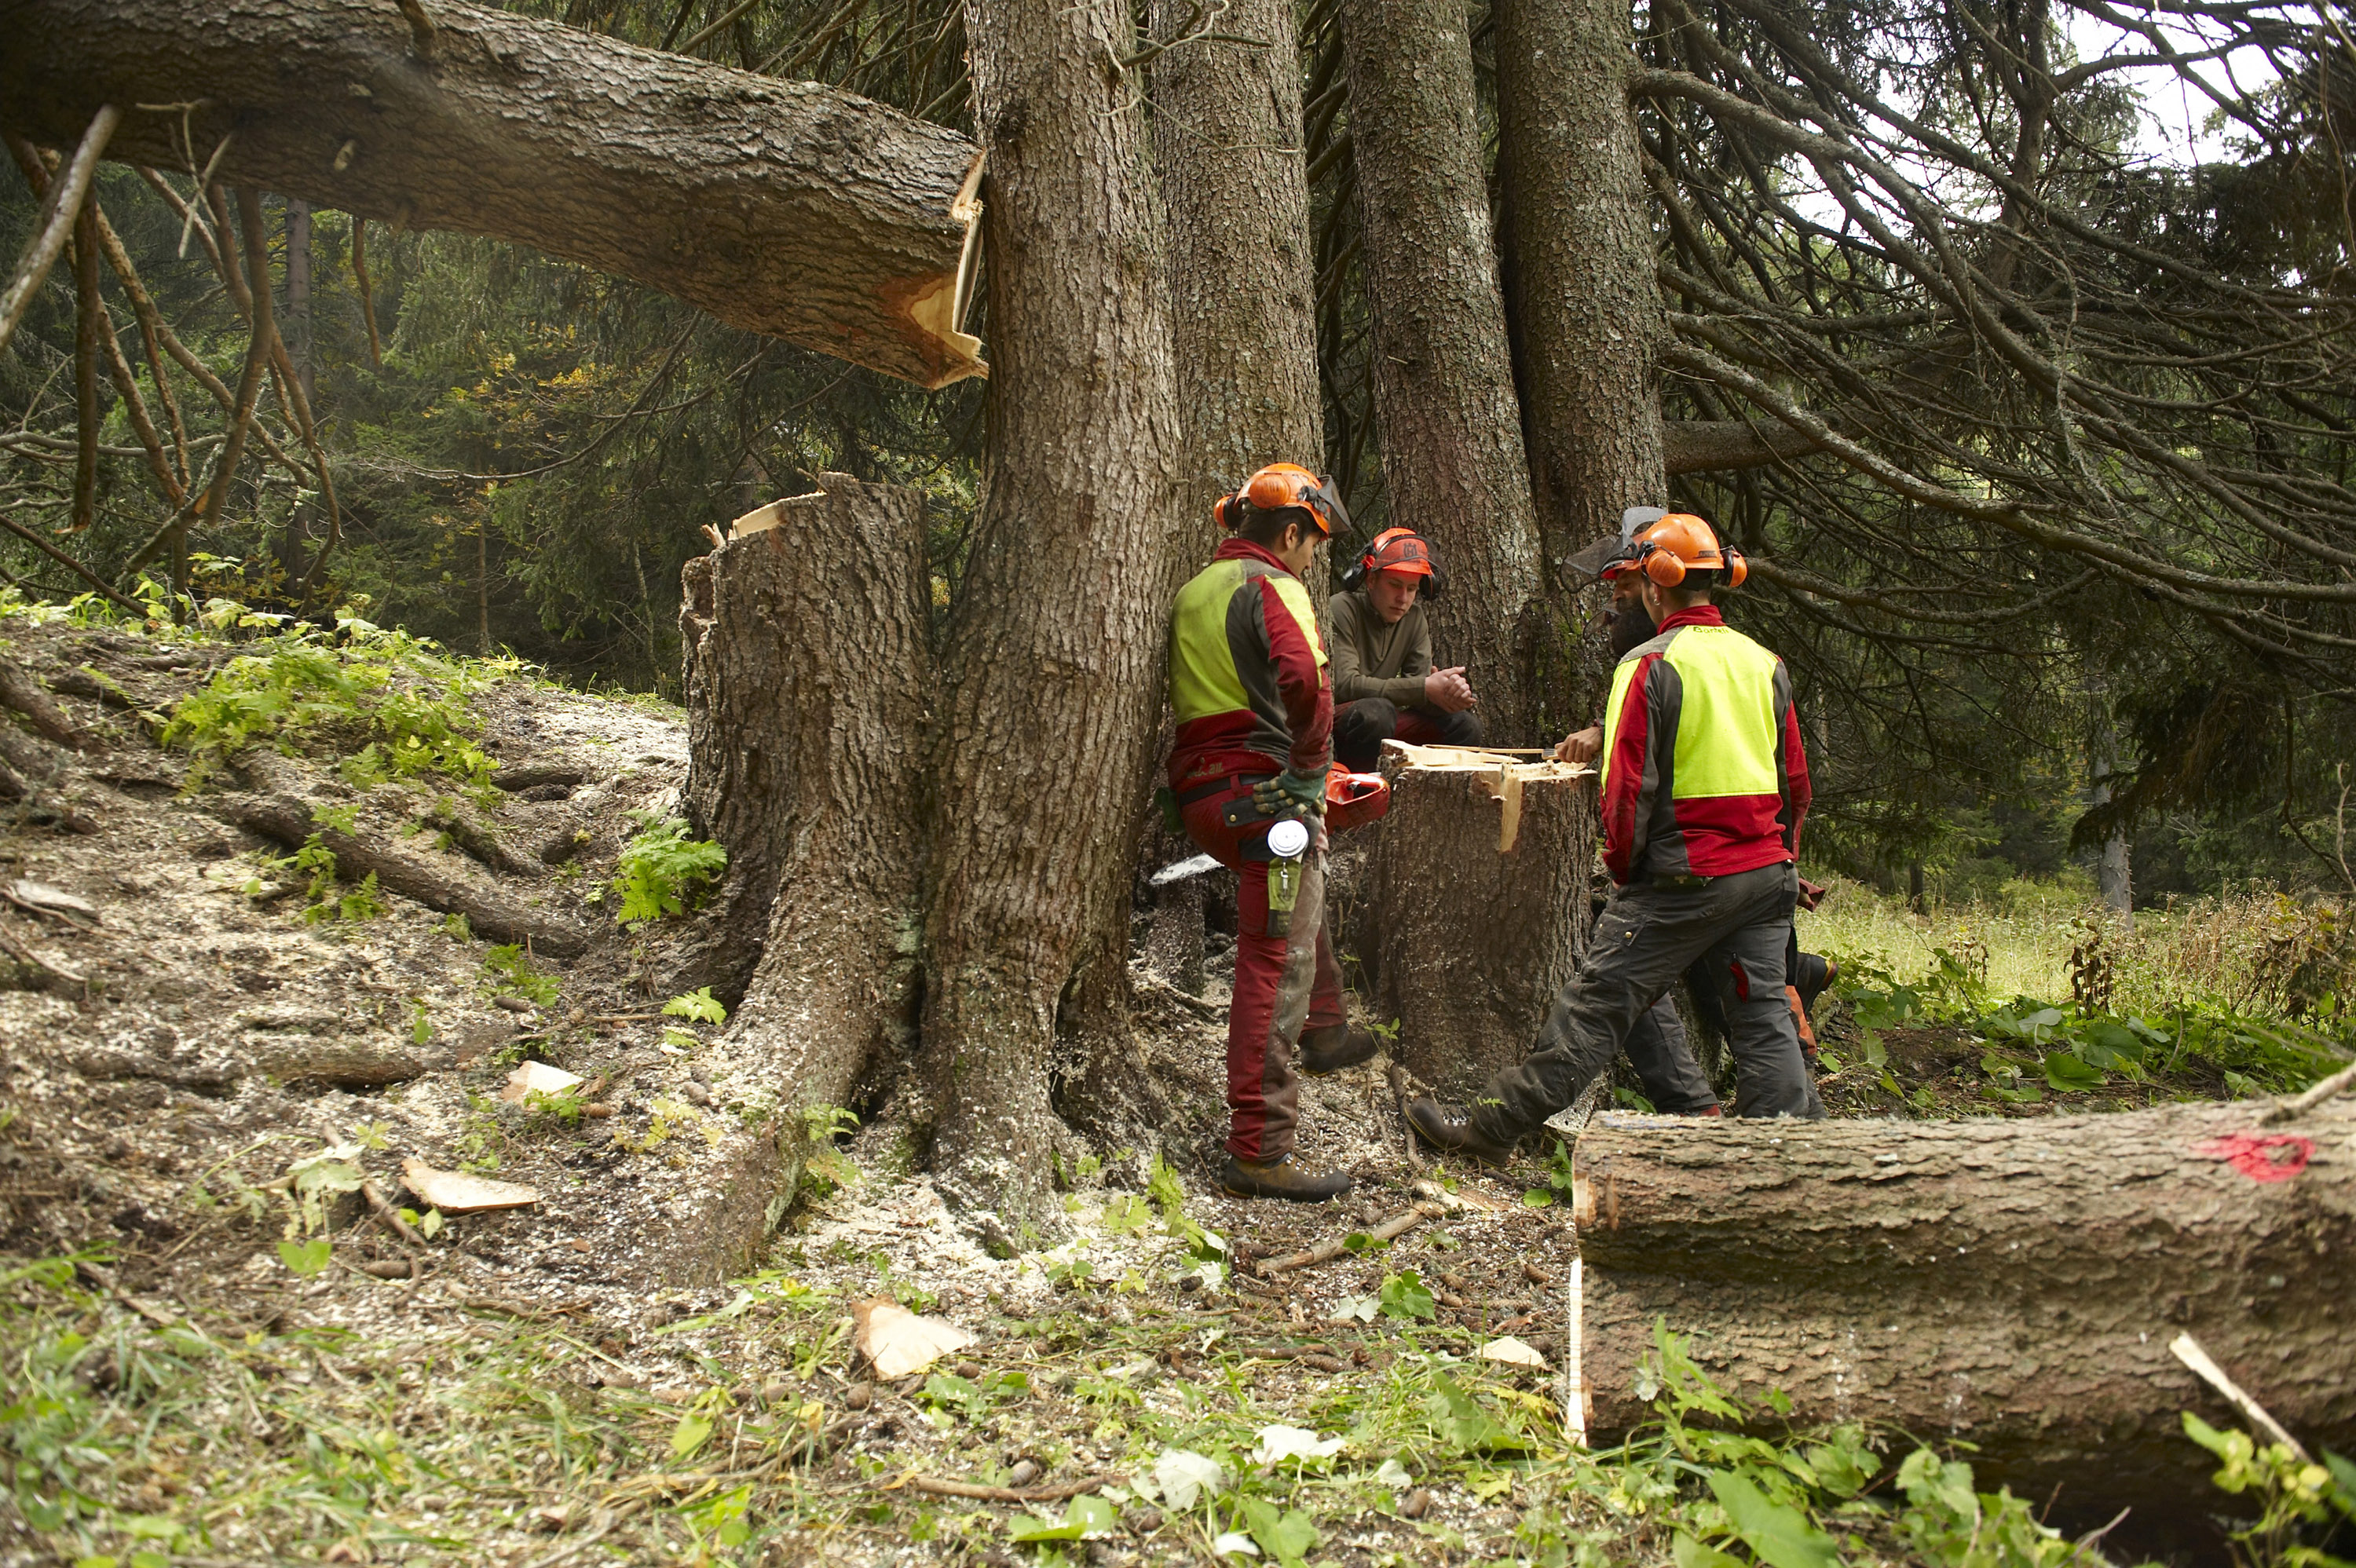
x=1324 y=1252
x=249 y=388
x=58 y=218
x=89 y=312
x=943 y=1489
x=97 y=584
x=367 y=290
x=20 y=691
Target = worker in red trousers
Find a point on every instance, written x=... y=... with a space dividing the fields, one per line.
x=1255 y=719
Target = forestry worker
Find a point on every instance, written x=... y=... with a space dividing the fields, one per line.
x=1704 y=783
x=1385 y=686
x=1254 y=719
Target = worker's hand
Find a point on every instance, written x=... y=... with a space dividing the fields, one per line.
x=1448 y=690
x=1811 y=895
x=1581 y=746
x=1298 y=794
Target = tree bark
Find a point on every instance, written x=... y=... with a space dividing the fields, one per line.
x=784 y=207
x=2011 y=1283
x=808 y=677
x=1714 y=446
x=1226 y=132
x=1586 y=311
x=1454 y=464
x=1464 y=942
x=1055 y=644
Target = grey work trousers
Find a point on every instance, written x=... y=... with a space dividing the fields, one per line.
x=1648 y=935
x=1665 y=1064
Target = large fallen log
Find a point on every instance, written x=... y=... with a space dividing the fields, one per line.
x=443 y=885
x=2013 y=1284
x=1473 y=910
x=785 y=207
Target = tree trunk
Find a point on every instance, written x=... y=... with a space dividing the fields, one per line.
x=785 y=207
x=1465 y=942
x=2113 y=871
x=1453 y=466
x=807 y=685
x=1226 y=131
x=808 y=679
x=1586 y=313
x=1055 y=644
x=2011 y=1283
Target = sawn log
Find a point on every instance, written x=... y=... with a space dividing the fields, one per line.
x=2010 y=1283
x=785 y=207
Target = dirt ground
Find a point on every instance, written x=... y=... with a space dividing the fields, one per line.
x=195 y=1378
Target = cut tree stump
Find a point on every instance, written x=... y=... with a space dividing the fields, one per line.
x=1473 y=910
x=785 y=207
x=2011 y=1283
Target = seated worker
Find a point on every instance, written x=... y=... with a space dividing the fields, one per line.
x=1650 y=1048
x=1255 y=716
x=1704 y=786
x=1383 y=685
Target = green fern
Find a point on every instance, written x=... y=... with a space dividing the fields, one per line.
x=661 y=868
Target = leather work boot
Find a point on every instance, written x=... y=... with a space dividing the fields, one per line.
x=1450 y=1126
x=1337 y=1046
x=1283 y=1179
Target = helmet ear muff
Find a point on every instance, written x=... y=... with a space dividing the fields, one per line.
x=1737 y=568
x=1663 y=567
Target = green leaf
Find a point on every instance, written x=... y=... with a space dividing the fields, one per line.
x=2344 y=1475
x=2069 y=1074
x=1461 y=1422
x=1405 y=1295
x=1026 y=1527
x=1780 y=1534
x=304 y=1258
x=1086 y=1518
x=690 y=1435
x=698 y=1005
x=1537 y=1197
x=1285 y=1536
x=1687 y=1553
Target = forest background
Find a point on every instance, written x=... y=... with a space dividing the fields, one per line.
x=524 y=450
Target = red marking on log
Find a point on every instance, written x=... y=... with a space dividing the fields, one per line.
x=2255 y=1157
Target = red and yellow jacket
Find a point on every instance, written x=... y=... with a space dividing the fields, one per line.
x=1247 y=671
x=1704 y=774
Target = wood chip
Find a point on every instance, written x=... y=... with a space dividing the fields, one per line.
x=457 y=1194
x=898 y=1343
x=536 y=1078
x=1512 y=1352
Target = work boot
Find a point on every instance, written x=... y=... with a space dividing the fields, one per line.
x=1450 y=1126
x=1334 y=1047
x=1282 y=1178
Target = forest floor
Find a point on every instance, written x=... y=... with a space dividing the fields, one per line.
x=219 y=1352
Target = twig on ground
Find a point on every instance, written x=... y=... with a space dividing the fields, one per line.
x=945 y=1488
x=2188 y=1350
x=1397 y=1225
x=2284 y=1110
x=390 y=1217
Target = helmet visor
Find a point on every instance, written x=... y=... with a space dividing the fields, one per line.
x=1324 y=504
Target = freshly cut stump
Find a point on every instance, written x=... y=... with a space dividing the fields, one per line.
x=1474 y=908
x=2013 y=1284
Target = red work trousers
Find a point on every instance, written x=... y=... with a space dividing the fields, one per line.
x=1283 y=983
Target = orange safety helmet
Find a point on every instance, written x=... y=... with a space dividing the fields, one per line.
x=1282 y=484
x=1681 y=542
x=1352 y=800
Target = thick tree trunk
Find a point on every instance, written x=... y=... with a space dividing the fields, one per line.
x=2011 y=1283
x=1453 y=465
x=785 y=207
x=808 y=683
x=1226 y=131
x=1464 y=941
x=1055 y=645
x=808 y=679
x=1586 y=310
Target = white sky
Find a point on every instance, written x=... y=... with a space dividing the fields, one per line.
x=2174 y=110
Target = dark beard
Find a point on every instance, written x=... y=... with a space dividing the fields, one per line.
x=1629 y=629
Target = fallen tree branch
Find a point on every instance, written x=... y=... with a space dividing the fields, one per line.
x=1324 y=1252
x=2187 y=1348
x=943 y=1489
x=2284 y=1110
x=390 y=1217
x=20 y=691
x=99 y=585
x=290 y=822
x=57 y=221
